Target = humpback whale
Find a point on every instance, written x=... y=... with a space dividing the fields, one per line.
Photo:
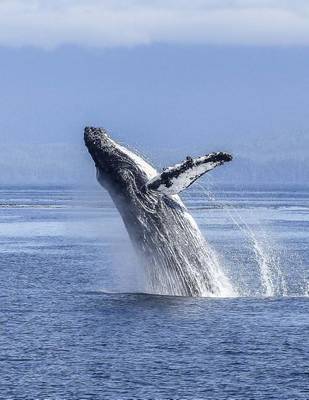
x=177 y=259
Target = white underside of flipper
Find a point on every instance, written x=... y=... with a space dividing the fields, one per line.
x=178 y=184
x=177 y=178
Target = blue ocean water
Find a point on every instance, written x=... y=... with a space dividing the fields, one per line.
x=76 y=325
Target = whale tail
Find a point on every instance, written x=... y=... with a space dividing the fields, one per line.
x=174 y=179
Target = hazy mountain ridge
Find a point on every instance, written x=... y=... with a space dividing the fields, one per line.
x=71 y=164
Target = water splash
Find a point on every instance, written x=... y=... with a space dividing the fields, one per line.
x=196 y=268
x=267 y=258
x=176 y=257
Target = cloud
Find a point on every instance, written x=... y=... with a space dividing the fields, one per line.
x=106 y=23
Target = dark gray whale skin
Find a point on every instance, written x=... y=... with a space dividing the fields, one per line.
x=162 y=231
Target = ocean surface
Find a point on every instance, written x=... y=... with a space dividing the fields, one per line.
x=76 y=324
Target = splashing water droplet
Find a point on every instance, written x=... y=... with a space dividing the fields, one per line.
x=266 y=257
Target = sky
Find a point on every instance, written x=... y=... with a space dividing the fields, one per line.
x=108 y=23
x=170 y=78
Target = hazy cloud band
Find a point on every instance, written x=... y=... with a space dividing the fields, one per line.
x=106 y=23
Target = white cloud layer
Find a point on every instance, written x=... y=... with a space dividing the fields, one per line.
x=106 y=23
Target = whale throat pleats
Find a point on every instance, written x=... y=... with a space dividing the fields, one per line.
x=174 y=179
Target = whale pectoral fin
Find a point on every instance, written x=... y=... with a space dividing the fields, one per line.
x=177 y=178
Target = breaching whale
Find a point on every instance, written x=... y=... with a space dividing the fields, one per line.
x=177 y=259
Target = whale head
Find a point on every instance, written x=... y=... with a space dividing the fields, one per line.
x=118 y=168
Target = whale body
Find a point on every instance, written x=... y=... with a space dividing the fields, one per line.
x=177 y=259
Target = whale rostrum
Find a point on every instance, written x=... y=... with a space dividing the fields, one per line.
x=177 y=259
